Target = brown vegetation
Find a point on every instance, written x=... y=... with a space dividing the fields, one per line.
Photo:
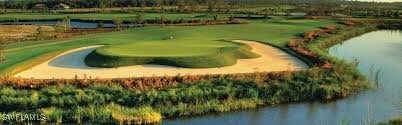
x=348 y=23
x=79 y=31
x=21 y=33
x=297 y=45
x=139 y=83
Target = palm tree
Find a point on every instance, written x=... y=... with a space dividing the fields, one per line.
x=3 y=44
x=118 y=21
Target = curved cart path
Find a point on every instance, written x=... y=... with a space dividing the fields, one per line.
x=71 y=63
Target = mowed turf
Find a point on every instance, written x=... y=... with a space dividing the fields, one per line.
x=106 y=16
x=277 y=33
x=180 y=53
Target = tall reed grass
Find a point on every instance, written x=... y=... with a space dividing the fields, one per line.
x=111 y=113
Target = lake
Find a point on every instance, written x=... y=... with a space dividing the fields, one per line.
x=73 y=24
x=375 y=51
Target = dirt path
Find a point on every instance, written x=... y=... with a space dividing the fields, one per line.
x=69 y=64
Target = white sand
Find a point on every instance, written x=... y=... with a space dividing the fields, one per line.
x=71 y=63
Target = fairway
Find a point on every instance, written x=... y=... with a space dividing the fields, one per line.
x=209 y=38
x=105 y=16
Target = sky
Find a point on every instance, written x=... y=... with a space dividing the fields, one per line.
x=384 y=0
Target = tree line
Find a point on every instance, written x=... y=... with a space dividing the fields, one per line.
x=21 y=4
x=325 y=6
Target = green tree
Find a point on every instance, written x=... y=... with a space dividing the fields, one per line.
x=66 y=23
x=211 y=5
x=40 y=33
x=162 y=20
x=396 y=14
x=323 y=7
x=142 y=5
x=133 y=3
x=220 y=4
x=139 y=18
x=63 y=25
x=118 y=21
x=158 y=3
x=181 y=5
x=102 y=4
x=215 y=16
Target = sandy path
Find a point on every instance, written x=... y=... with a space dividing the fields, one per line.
x=69 y=64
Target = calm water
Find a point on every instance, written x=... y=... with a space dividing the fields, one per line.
x=74 y=24
x=380 y=49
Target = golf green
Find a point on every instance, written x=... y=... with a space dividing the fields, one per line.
x=171 y=52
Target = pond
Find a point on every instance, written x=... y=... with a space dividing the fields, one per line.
x=375 y=51
x=73 y=24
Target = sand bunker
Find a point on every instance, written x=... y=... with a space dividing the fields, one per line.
x=71 y=63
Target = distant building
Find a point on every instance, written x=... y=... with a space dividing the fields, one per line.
x=61 y=6
x=39 y=6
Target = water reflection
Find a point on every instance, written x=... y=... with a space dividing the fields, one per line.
x=380 y=48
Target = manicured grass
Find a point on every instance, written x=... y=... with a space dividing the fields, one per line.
x=277 y=33
x=104 y=16
x=260 y=7
x=193 y=54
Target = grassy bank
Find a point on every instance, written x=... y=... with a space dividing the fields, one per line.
x=185 y=99
x=396 y=121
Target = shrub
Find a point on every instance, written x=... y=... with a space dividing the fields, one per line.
x=118 y=21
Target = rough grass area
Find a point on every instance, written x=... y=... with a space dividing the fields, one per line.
x=185 y=99
x=170 y=52
x=277 y=33
x=396 y=121
x=21 y=31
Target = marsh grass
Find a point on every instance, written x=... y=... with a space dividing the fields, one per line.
x=111 y=113
x=67 y=102
x=395 y=121
x=375 y=76
x=212 y=106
